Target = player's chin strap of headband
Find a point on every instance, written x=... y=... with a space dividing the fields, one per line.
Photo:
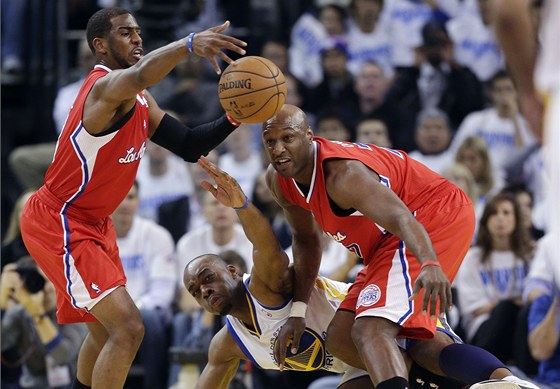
x=191 y=143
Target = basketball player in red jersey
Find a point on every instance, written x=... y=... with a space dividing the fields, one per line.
x=411 y=227
x=66 y=225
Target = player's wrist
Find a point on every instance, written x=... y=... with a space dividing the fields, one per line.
x=299 y=308
x=244 y=205
x=190 y=39
x=430 y=263
x=232 y=120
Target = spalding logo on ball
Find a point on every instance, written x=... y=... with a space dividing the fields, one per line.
x=310 y=355
x=252 y=89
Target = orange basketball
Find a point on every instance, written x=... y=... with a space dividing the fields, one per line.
x=252 y=89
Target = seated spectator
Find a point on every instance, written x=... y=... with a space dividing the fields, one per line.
x=373 y=131
x=502 y=127
x=185 y=213
x=308 y=37
x=12 y=245
x=490 y=279
x=48 y=351
x=433 y=136
x=368 y=38
x=473 y=153
x=162 y=177
x=370 y=101
x=435 y=81
x=147 y=254
x=475 y=42
x=243 y=163
x=525 y=199
x=337 y=84
x=330 y=126
x=404 y=20
x=277 y=52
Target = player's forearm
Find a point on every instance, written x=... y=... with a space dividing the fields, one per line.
x=416 y=239
x=258 y=230
x=307 y=259
x=515 y=34
x=154 y=66
x=543 y=340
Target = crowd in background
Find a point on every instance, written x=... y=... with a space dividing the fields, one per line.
x=426 y=77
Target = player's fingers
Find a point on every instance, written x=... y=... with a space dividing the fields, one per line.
x=214 y=64
x=224 y=57
x=449 y=296
x=426 y=299
x=434 y=296
x=416 y=290
x=220 y=28
x=295 y=342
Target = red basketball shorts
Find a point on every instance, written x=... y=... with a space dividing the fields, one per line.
x=81 y=259
x=383 y=287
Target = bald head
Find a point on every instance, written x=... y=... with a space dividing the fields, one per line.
x=288 y=116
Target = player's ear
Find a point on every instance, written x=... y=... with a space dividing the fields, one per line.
x=309 y=134
x=100 y=45
x=232 y=269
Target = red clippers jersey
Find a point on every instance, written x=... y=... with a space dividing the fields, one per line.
x=91 y=174
x=414 y=183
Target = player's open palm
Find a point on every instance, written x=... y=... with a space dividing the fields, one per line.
x=436 y=287
x=210 y=43
x=227 y=191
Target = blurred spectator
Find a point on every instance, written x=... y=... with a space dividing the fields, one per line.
x=373 y=131
x=368 y=39
x=277 y=52
x=194 y=96
x=337 y=84
x=162 y=177
x=222 y=232
x=48 y=351
x=505 y=131
x=30 y=162
x=535 y=175
x=475 y=43
x=490 y=279
x=370 y=100
x=240 y=160
x=308 y=37
x=433 y=136
x=461 y=176
x=473 y=153
x=404 y=20
x=524 y=198
x=147 y=254
x=330 y=126
x=13 y=37
x=185 y=213
x=12 y=244
x=435 y=81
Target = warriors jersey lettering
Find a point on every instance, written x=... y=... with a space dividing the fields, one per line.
x=412 y=182
x=92 y=174
x=258 y=342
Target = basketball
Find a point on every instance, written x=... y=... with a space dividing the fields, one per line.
x=252 y=89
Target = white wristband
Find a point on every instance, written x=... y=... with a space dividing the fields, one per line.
x=298 y=309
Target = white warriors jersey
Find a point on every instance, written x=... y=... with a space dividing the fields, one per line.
x=258 y=342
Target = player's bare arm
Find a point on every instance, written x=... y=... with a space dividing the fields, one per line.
x=223 y=360
x=270 y=279
x=114 y=94
x=305 y=244
x=381 y=205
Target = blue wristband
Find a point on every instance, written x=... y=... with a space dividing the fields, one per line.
x=244 y=205
x=189 y=41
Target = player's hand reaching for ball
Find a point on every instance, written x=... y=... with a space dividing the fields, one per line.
x=436 y=287
x=227 y=191
x=209 y=44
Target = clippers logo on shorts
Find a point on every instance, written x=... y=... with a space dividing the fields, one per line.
x=132 y=155
x=369 y=296
x=310 y=356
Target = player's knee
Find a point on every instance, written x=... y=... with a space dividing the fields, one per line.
x=129 y=334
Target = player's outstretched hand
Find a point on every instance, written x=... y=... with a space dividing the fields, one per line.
x=289 y=335
x=209 y=44
x=436 y=286
x=227 y=191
